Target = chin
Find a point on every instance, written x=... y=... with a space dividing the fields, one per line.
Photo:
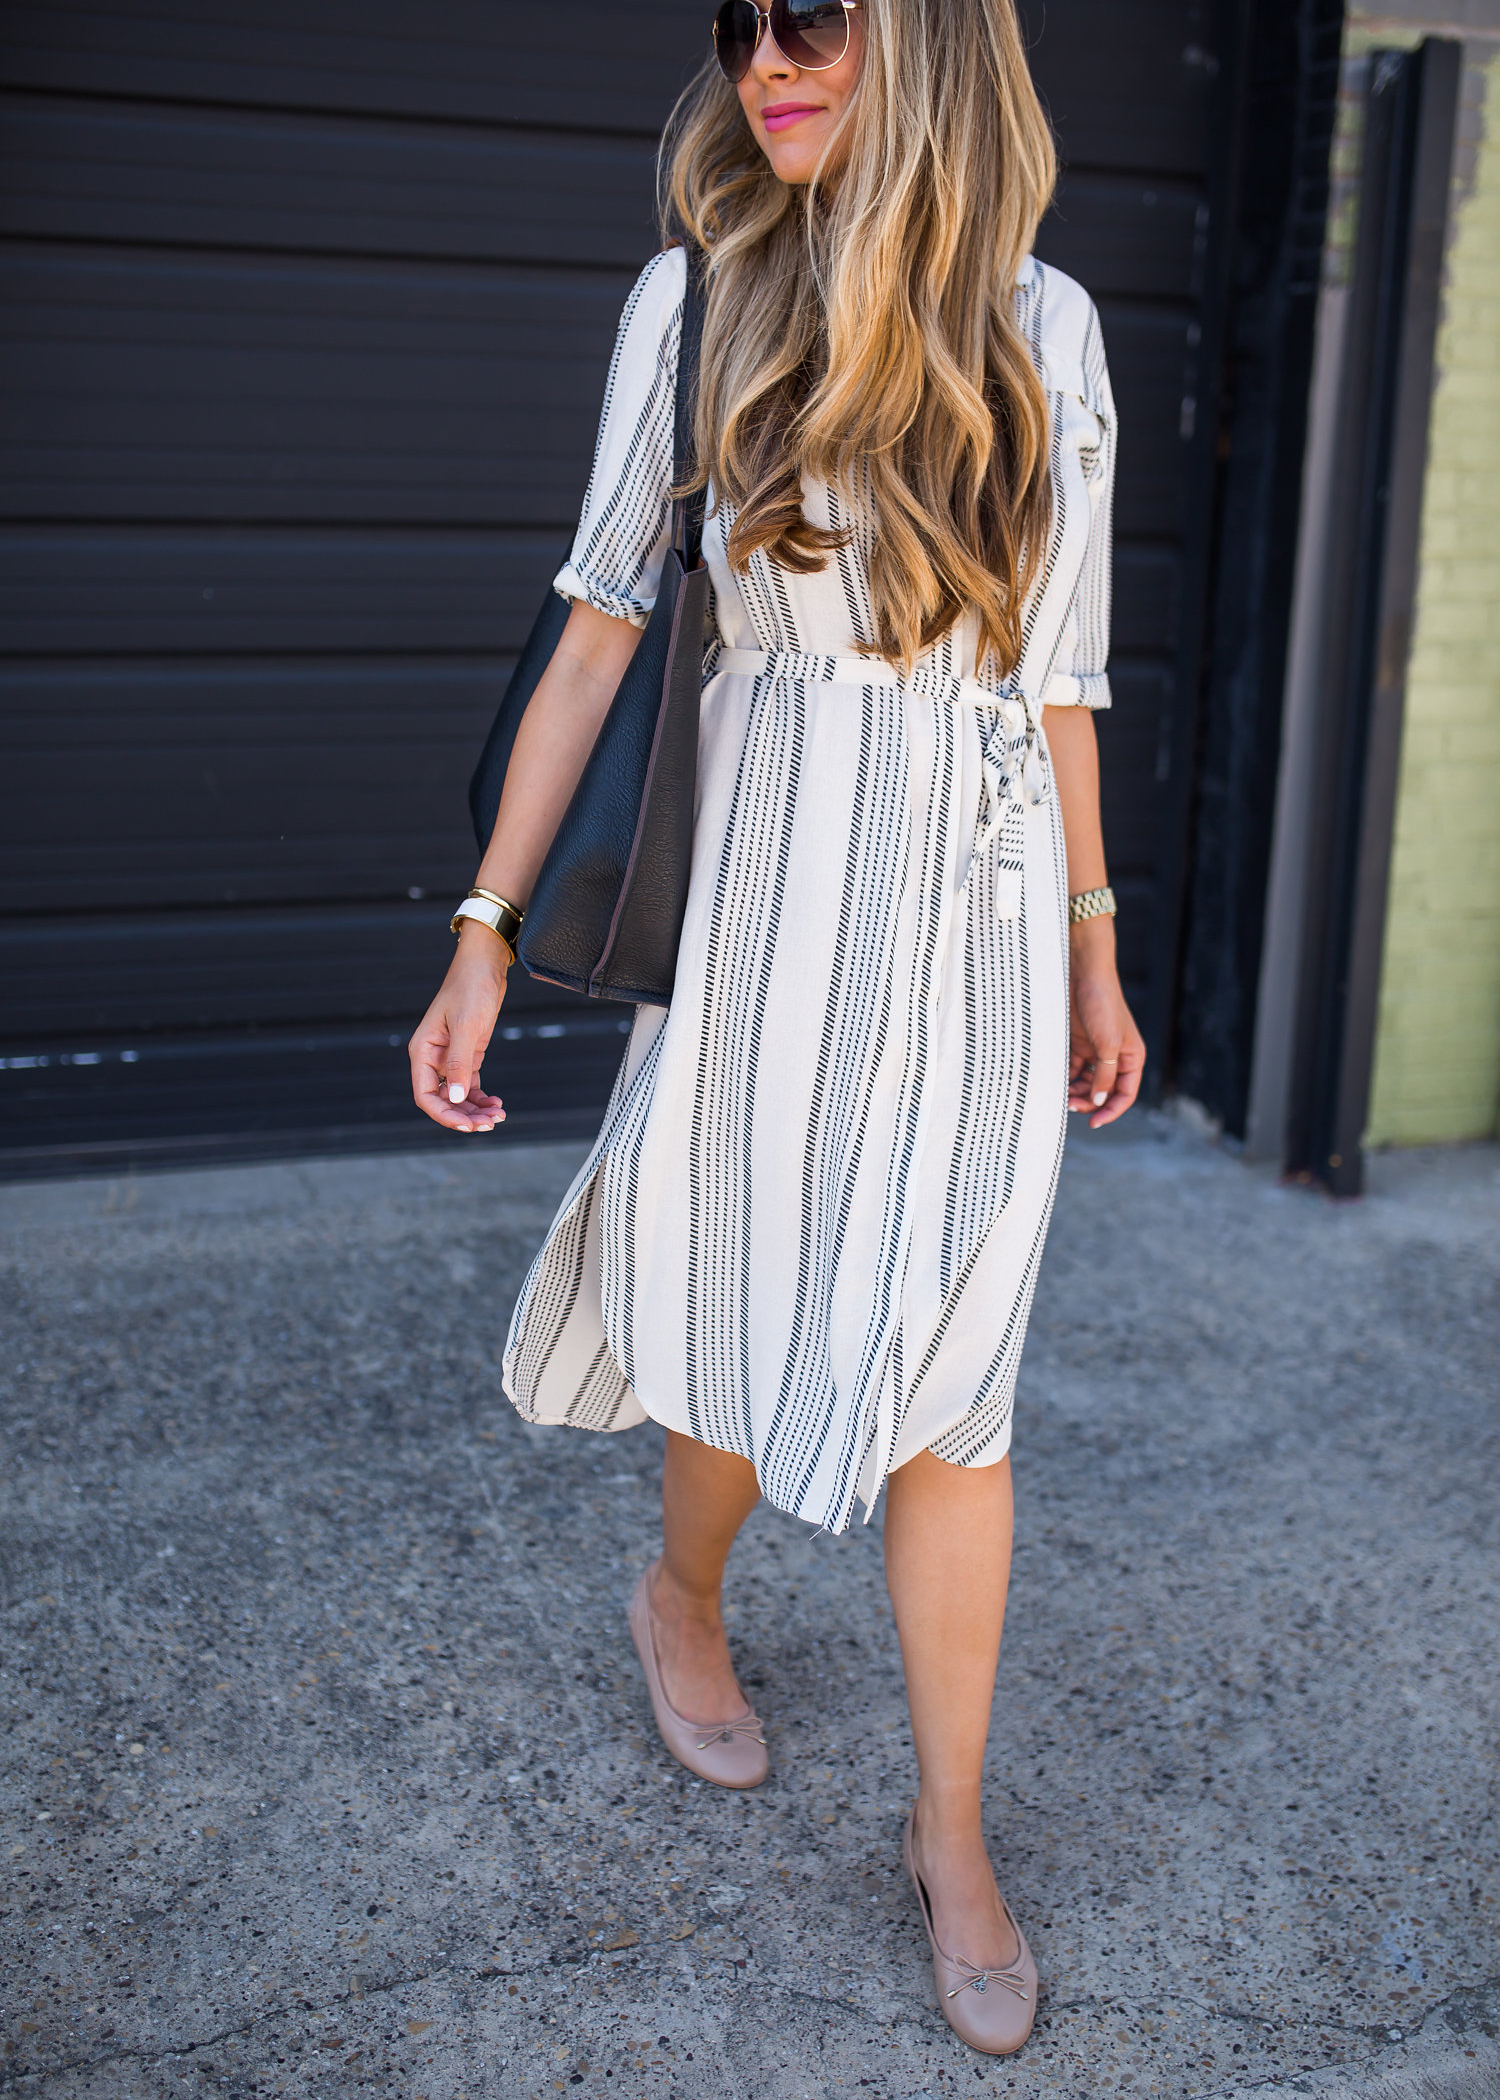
x=794 y=167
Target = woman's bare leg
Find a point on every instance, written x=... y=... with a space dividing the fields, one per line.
x=706 y=1496
x=947 y=1561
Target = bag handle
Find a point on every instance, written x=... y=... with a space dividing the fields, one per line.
x=688 y=512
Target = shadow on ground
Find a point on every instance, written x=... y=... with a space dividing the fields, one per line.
x=329 y=1767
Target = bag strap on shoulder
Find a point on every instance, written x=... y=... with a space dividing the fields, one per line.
x=688 y=513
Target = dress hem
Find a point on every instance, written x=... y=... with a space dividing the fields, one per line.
x=801 y=1516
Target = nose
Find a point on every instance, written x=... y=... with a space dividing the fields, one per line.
x=770 y=63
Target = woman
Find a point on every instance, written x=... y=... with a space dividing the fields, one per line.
x=807 y=1237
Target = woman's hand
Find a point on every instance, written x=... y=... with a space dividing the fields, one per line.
x=555 y=737
x=448 y=1047
x=1107 y=1054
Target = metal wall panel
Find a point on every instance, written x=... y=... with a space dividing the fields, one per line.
x=303 y=325
x=575 y=65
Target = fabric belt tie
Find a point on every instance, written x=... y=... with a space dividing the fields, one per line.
x=1011 y=753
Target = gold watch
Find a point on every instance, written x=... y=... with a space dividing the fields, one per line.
x=498 y=913
x=1091 y=904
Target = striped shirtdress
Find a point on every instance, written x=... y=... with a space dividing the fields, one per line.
x=809 y=1229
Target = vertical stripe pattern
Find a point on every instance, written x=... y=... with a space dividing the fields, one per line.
x=809 y=1229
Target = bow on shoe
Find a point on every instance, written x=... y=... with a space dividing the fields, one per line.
x=748 y=1726
x=981 y=1979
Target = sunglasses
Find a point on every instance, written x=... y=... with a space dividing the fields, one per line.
x=812 y=35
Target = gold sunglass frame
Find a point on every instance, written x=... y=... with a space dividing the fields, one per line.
x=763 y=29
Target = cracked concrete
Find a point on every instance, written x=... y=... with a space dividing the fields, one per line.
x=328 y=1768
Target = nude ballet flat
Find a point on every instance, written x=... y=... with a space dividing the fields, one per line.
x=990 y=2009
x=730 y=1753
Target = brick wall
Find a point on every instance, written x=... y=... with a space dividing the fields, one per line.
x=1437 y=1067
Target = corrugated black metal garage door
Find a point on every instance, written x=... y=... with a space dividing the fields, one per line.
x=306 y=311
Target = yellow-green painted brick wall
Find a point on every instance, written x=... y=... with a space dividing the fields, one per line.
x=1437 y=1057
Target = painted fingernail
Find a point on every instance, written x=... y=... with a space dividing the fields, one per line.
x=1100 y=1099
x=457 y=1093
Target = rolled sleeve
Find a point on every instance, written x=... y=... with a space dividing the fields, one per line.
x=1078 y=677
x=617 y=554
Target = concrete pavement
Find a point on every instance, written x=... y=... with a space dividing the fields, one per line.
x=328 y=1766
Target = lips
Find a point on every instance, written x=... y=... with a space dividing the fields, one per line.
x=781 y=115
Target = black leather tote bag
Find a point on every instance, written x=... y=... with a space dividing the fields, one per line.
x=605 y=916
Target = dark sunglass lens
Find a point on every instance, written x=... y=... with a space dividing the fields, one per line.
x=736 y=29
x=811 y=33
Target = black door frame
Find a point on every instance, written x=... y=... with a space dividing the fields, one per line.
x=1380 y=463
x=1272 y=197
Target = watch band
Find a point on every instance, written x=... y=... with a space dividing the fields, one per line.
x=1091 y=904
x=498 y=913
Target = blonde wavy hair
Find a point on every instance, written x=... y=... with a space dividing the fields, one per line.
x=862 y=328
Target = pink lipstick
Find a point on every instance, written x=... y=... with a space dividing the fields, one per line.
x=780 y=115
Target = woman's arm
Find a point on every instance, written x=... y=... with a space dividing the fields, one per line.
x=557 y=733
x=1107 y=1054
